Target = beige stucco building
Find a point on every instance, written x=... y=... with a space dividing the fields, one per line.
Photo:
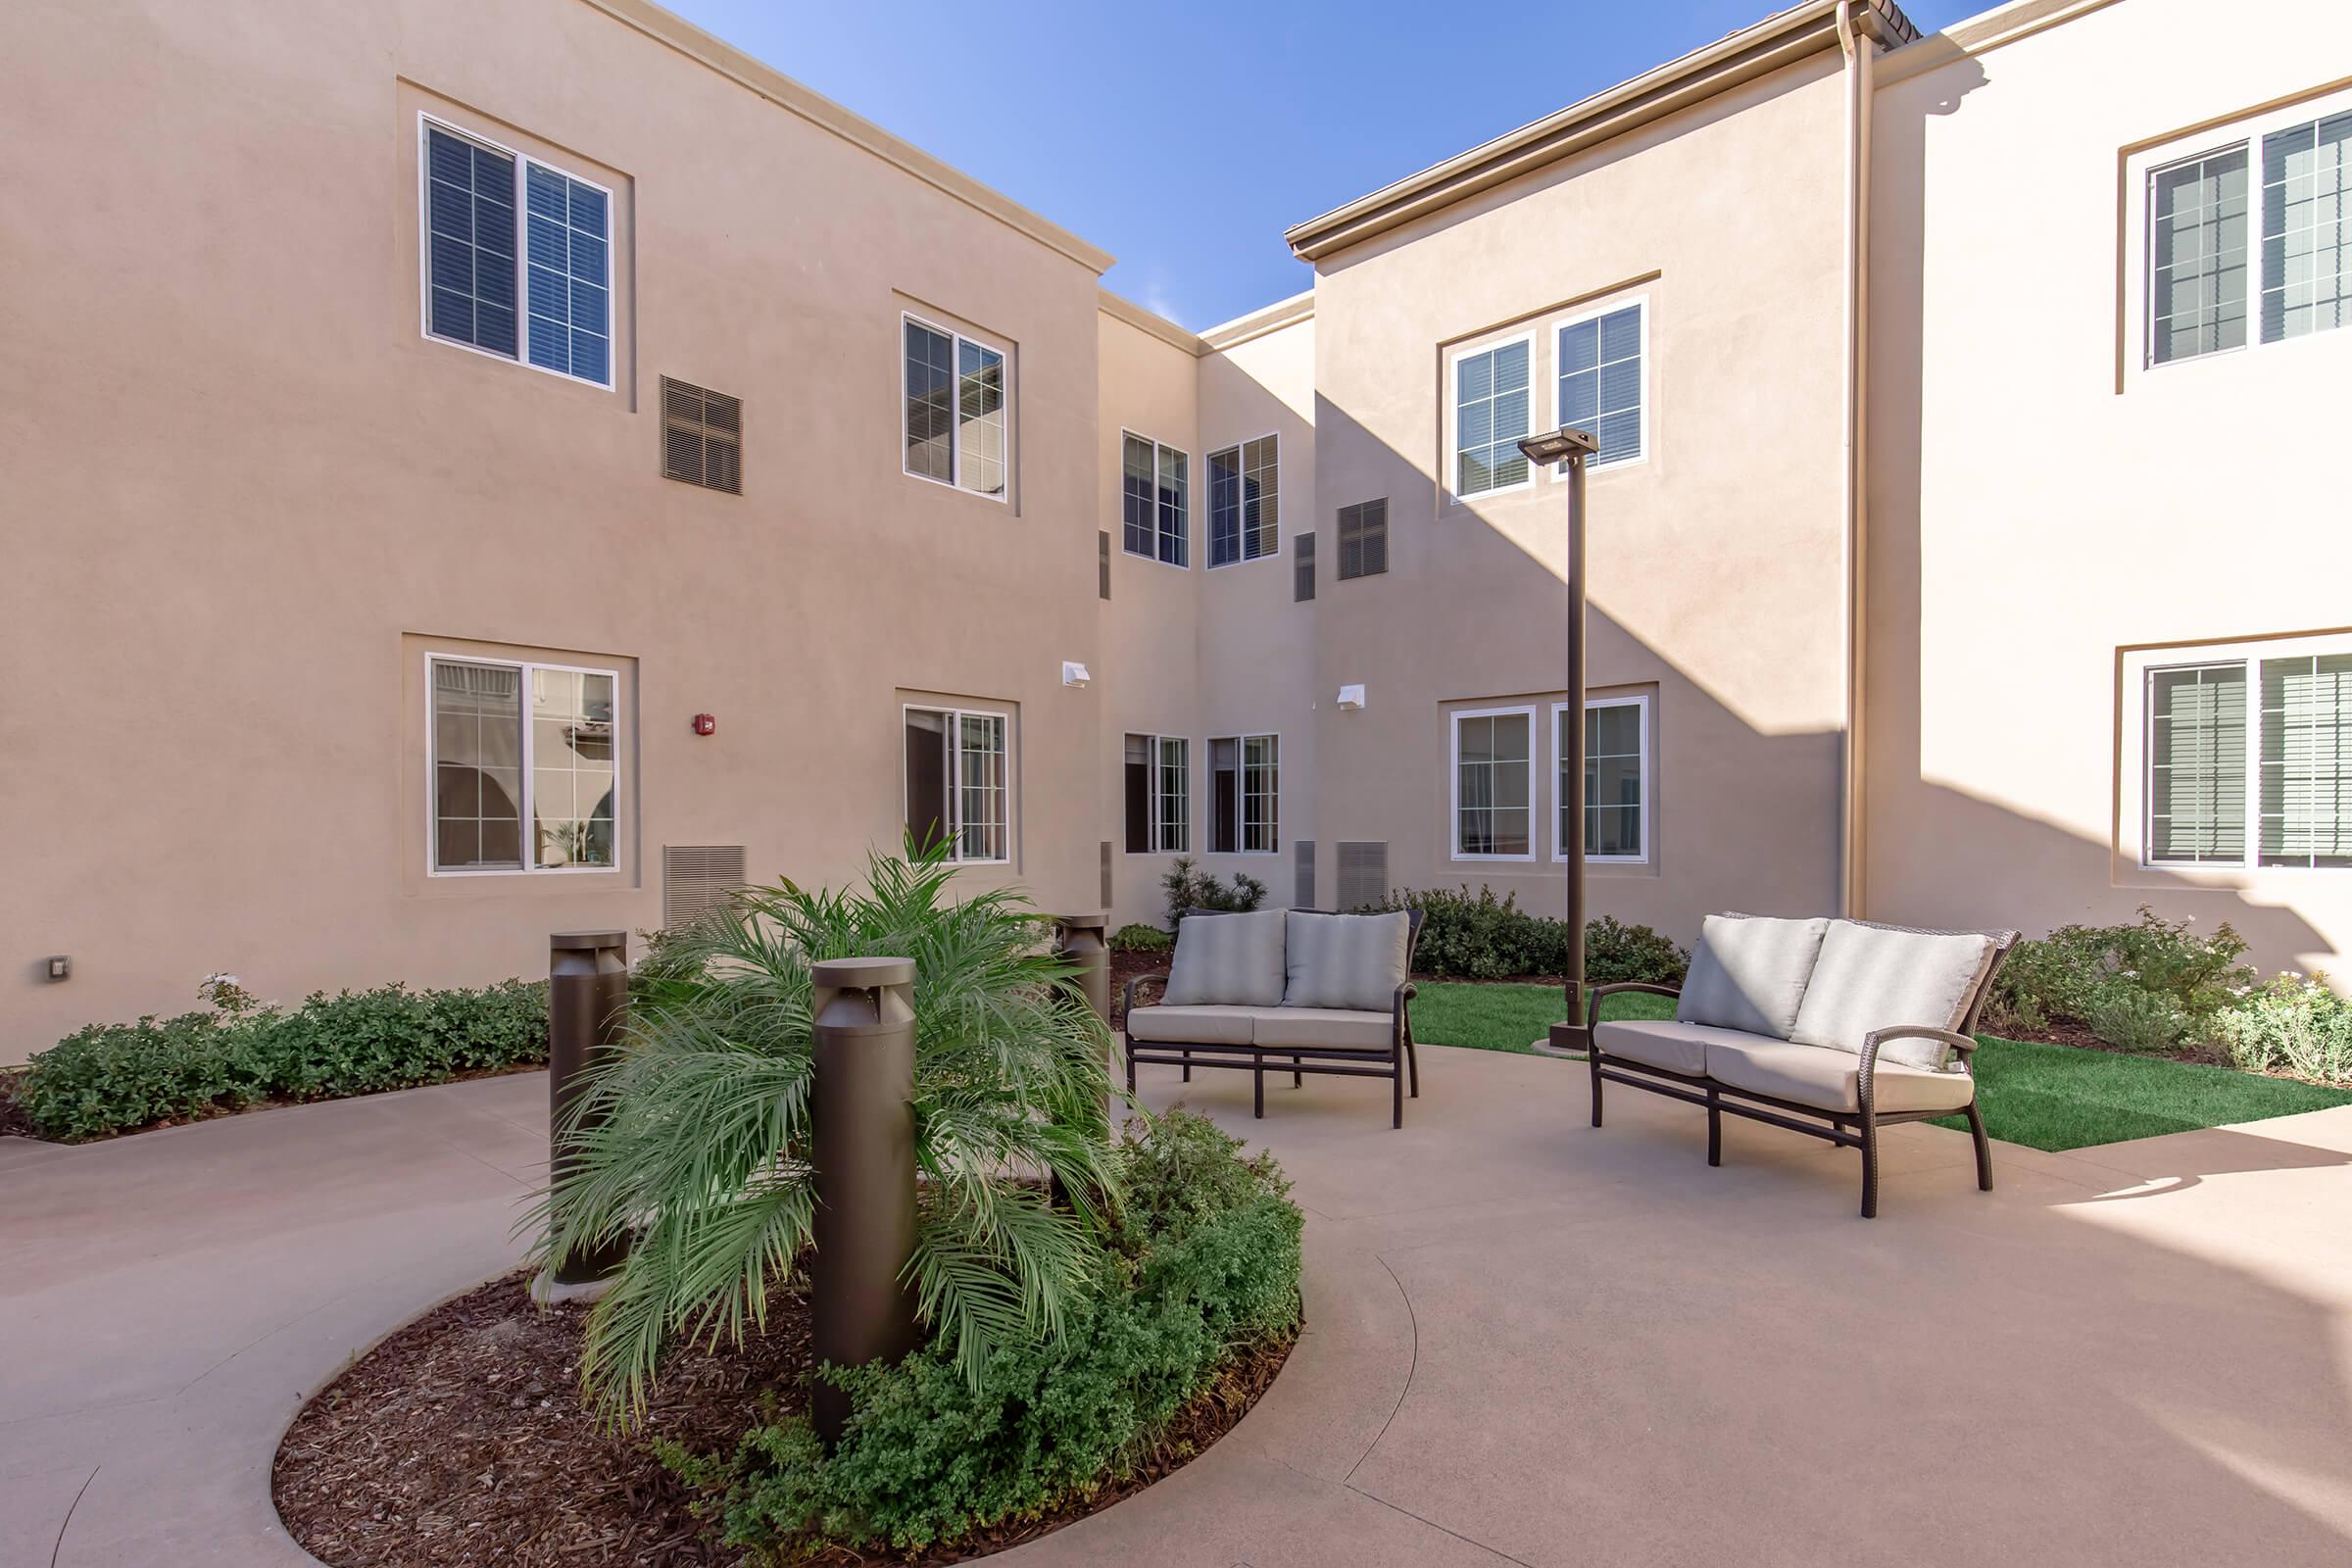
x=491 y=513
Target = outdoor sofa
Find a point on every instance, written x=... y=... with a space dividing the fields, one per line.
x=1831 y=1028
x=1300 y=989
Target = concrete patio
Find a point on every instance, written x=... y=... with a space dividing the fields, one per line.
x=1528 y=1341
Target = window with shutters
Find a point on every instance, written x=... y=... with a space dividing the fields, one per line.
x=1244 y=502
x=1617 y=779
x=959 y=781
x=2247 y=234
x=1493 y=784
x=522 y=760
x=1493 y=407
x=1600 y=357
x=958 y=417
x=2246 y=755
x=517 y=255
x=1364 y=539
x=1154 y=499
x=1244 y=784
x=702 y=436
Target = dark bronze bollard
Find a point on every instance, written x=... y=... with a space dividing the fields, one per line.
x=861 y=1311
x=587 y=1005
x=1079 y=937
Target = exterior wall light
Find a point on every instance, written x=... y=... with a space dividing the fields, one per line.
x=1074 y=674
x=1352 y=698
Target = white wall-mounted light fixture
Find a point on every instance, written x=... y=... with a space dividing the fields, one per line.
x=1074 y=674
x=1352 y=697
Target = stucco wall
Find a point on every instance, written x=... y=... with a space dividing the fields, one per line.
x=238 y=476
x=1715 y=564
x=2038 y=505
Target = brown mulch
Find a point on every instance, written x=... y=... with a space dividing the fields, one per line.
x=461 y=1441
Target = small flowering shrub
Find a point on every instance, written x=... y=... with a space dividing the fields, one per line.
x=111 y=1078
x=2293 y=1024
x=2152 y=985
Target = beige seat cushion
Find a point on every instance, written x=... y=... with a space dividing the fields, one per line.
x=1349 y=961
x=1828 y=1080
x=1204 y=1026
x=1332 y=1028
x=1662 y=1043
x=1749 y=973
x=1867 y=978
x=1228 y=961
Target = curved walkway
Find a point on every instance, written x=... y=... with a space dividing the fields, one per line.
x=1529 y=1342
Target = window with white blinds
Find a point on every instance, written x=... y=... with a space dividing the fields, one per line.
x=1245 y=501
x=1492 y=404
x=1154 y=499
x=1617 y=768
x=2248 y=761
x=2249 y=234
x=1601 y=380
x=1493 y=784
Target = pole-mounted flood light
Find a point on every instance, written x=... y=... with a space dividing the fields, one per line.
x=1572 y=447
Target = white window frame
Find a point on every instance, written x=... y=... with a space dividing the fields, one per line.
x=1190 y=483
x=2139 y=671
x=1649 y=787
x=955 y=482
x=1241 y=791
x=1155 y=799
x=2139 y=175
x=521 y=356
x=1208 y=514
x=1650 y=427
x=526 y=833
x=1453 y=772
x=1536 y=380
x=955 y=712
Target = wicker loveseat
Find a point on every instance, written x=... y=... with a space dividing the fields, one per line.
x=1831 y=1028
x=1296 y=990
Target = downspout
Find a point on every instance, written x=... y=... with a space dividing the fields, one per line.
x=1858 y=49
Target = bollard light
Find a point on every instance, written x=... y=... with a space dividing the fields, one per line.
x=587 y=1007
x=862 y=1124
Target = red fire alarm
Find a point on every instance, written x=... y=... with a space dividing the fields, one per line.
x=705 y=724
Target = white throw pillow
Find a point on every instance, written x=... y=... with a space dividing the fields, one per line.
x=1867 y=978
x=1345 y=961
x=1749 y=973
x=1232 y=961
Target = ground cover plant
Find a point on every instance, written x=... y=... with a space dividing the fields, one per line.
x=239 y=1051
x=1133 y=938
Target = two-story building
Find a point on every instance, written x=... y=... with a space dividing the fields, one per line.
x=451 y=499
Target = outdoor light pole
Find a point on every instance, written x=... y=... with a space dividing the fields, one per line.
x=1572 y=447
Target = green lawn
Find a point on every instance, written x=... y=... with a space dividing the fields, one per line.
x=2046 y=1097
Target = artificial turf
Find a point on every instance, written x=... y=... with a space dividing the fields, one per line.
x=2046 y=1097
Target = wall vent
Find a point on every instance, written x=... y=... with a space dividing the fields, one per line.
x=702 y=436
x=1364 y=872
x=1102 y=563
x=1304 y=867
x=697 y=878
x=1106 y=876
x=1303 y=574
x=1364 y=539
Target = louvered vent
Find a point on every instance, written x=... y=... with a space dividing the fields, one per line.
x=1302 y=863
x=1364 y=872
x=1102 y=563
x=697 y=878
x=1364 y=539
x=1106 y=876
x=702 y=436
x=1303 y=573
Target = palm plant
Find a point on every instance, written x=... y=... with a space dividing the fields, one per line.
x=696 y=1140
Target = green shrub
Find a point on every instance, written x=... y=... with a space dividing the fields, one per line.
x=2293 y=1024
x=1202 y=1262
x=1189 y=889
x=1142 y=939
x=1478 y=936
x=113 y=1077
x=2149 y=980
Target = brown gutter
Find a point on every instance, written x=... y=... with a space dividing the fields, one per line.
x=1779 y=40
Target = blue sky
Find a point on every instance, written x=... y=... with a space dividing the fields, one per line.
x=1185 y=138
